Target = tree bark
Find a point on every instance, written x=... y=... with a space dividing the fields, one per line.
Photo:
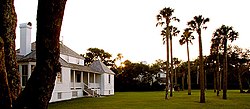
x=215 y=79
x=39 y=87
x=9 y=78
x=5 y=95
x=175 y=77
x=189 y=75
x=9 y=23
x=202 y=77
x=167 y=65
x=239 y=79
x=218 y=71
x=225 y=70
x=183 y=81
x=172 y=71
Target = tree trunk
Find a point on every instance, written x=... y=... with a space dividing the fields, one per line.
x=39 y=87
x=239 y=79
x=175 y=77
x=172 y=71
x=202 y=77
x=167 y=65
x=183 y=81
x=215 y=73
x=225 y=70
x=5 y=95
x=218 y=71
x=9 y=23
x=189 y=75
x=9 y=78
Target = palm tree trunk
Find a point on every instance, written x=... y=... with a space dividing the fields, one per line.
x=38 y=90
x=172 y=71
x=239 y=79
x=215 y=73
x=175 y=76
x=218 y=71
x=202 y=77
x=183 y=81
x=167 y=65
x=225 y=70
x=189 y=75
x=220 y=80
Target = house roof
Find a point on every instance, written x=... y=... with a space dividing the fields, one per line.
x=67 y=51
x=63 y=50
x=98 y=66
x=31 y=57
x=95 y=67
x=75 y=66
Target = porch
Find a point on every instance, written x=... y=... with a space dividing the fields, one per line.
x=84 y=80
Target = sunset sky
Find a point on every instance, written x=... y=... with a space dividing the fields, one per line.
x=128 y=26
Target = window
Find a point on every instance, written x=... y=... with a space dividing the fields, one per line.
x=109 y=79
x=74 y=93
x=59 y=95
x=59 y=77
x=24 y=74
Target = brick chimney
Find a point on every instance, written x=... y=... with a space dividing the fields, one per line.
x=25 y=38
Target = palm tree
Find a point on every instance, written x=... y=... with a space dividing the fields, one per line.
x=187 y=38
x=226 y=33
x=176 y=62
x=216 y=39
x=173 y=32
x=165 y=16
x=197 y=24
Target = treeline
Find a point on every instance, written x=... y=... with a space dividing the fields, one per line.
x=145 y=77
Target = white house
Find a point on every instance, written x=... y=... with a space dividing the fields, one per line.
x=75 y=80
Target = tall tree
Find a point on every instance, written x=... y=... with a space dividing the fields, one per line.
x=40 y=85
x=10 y=86
x=197 y=24
x=176 y=64
x=227 y=33
x=165 y=16
x=187 y=38
x=173 y=32
x=215 y=47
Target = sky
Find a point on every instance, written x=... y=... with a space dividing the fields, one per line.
x=129 y=26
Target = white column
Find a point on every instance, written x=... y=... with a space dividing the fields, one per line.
x=74 y=79
x=81 y=77
x=21 y=73
x=29 y=70
x=88 y=78
x=94 y=78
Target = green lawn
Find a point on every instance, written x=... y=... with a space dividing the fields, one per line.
x=155 y=100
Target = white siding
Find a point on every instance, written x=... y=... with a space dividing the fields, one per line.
x=63 y=87
x=64 y=57
x=72 y=60
x=106 y=87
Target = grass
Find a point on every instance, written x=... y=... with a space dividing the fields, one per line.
x=155 y=100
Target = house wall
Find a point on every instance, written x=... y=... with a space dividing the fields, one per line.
x=72 y=60
x=106 y=87
x=161 y=75
x=63 y=88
